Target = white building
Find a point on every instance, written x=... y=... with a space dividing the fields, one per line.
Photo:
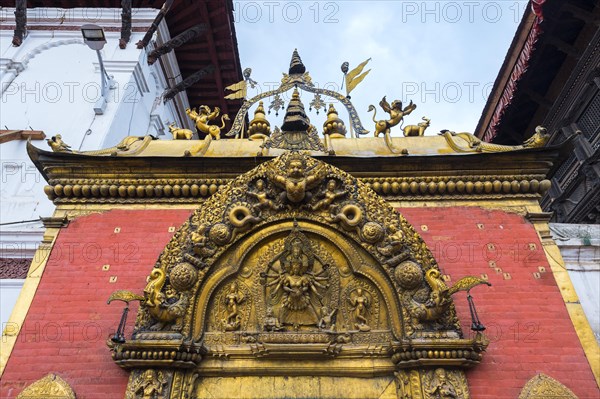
x=50 y=84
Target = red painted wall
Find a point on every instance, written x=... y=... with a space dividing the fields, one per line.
x=68 y=322
x=528 y=324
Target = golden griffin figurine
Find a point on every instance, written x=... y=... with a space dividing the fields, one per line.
x=205 y=115
x=397 y=114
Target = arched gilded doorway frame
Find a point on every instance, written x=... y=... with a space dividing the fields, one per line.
x=297 y=198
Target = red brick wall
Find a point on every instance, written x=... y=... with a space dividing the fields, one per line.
x=526 y=318
x=528 y=324
x=69 y=321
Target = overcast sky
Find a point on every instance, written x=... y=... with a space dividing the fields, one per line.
x=442 y=55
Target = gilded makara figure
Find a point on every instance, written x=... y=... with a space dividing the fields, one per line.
x=295 y=284
x=203 y=116
x=396 y=112
x=167 y=307
x=466 y=142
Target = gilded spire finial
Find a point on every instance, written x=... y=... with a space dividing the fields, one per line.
x=334 y=126
x=296 y=65
x=259 y=125
x=295 y=119
x=296 y=131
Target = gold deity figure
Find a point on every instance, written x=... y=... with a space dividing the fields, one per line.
x=233 y=299
x=298 y=287
x=271 y=322
x=360 y=301
x=327 y=321
x=297 y=180
x=440 y=387
x=260 y=193
x=329 y=195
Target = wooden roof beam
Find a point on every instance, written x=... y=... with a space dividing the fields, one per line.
x=159 y=17
x=10 y=135
x=203 y=9
x=125 y=23
x=177 y=41
x=21 y=22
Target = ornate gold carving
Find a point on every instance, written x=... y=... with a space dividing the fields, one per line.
x=418 y=129
x=403 y=386
x=408 y=274
x=261 y=195
x=148 y=384
x=180 y=133
x=438 y=383
x=444 y=384
x=203 y=116
x=271 y=323
x=168 y=308
x=48 y=387
x=183 y=276
x=397 y=114
x=542 y=386
x=298 y=178
x=328 y=196
x=372 y=232
x=457 y=141
x=295 y=280
x=297 y=260
x=397 y=188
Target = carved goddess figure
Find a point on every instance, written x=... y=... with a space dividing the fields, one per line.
x=232 y=318
x=360 y=300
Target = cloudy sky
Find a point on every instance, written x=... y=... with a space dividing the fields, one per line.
x=442 y=55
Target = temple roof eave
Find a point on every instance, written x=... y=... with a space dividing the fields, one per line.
x=365 y=157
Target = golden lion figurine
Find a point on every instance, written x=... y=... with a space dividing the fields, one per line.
x=396 y=112
x=205 y=115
